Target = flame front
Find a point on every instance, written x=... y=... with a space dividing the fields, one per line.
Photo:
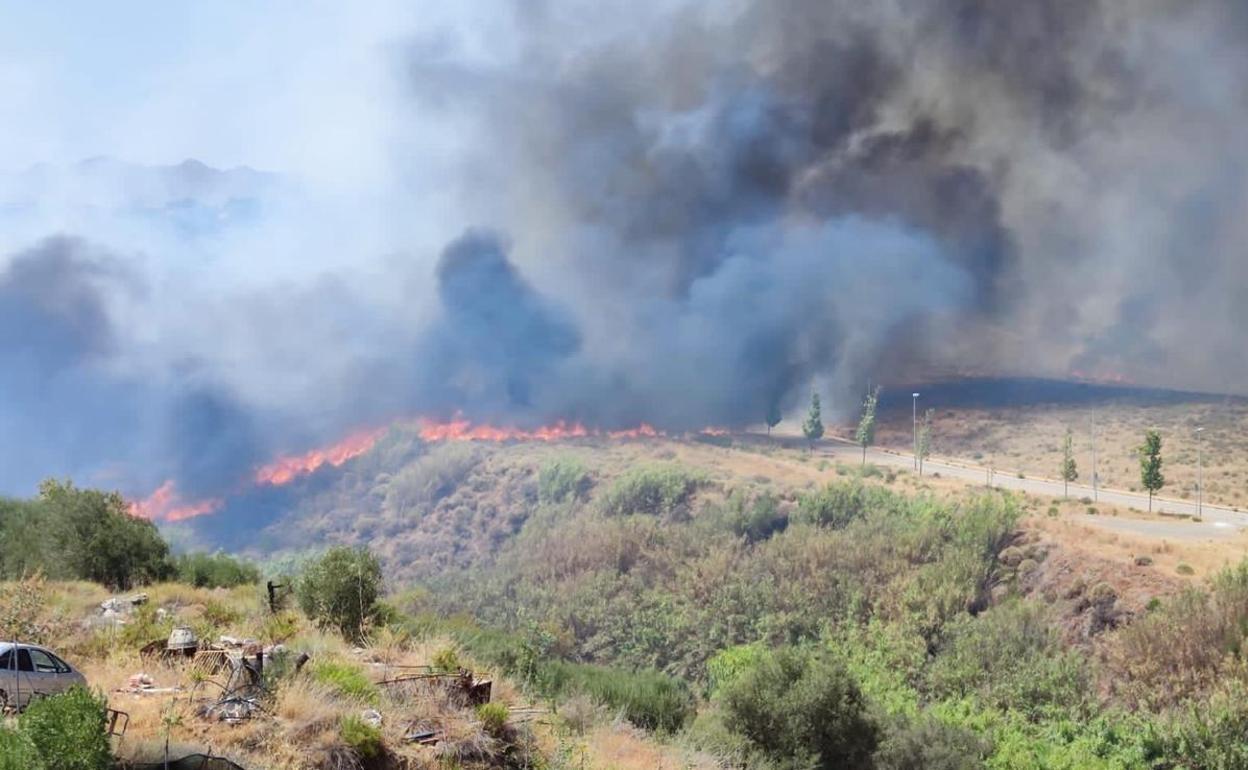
x=167 y=504
x=461 y=429
x=284 y=469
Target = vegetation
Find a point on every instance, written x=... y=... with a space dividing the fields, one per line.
x=800 y=708
x=82 y=534
x=865 y=435
x=216 y=570
x=1070 y=470
x=925 y=439
x=563 y=480
x=1150 y=464
x=774 y=416
x=361 y=737
x=658 y=491
x=68 y=731
x=812 y=427
x=340 y=589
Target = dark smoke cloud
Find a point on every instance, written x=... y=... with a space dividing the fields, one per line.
x=664 y=211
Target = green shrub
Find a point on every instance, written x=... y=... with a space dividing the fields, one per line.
x=446 y=660
x=926 y=743
x=1012 y=659
x=839 y=503
x=69 y=730
x=562 y=480
x=493 y=718
x=658 y=491
x=1185 y=569
x=345 y=679
x=801 y=708
x=755 y=519
x=17 y=752
x=361 y=737
x=216 y=570
x=648 y=699
x=725 y=666
x=339 y=590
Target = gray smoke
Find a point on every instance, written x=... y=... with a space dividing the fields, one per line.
x=665 y=211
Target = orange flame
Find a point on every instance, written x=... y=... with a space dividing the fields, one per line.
x=461 y=429
x=167 y=505
x=284 y=469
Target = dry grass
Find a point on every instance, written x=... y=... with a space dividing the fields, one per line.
x=1029 y=439
x=301 y=727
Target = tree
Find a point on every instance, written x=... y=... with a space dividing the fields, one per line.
x=802 y=709
x=773 y=416
x=812 y=428
x=95 y=537
x=340 y=590
x=1070 y=471
x=925 y=438
x=865 y=435
x=1150 y=464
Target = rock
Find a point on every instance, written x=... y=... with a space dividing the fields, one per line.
x=371 y=717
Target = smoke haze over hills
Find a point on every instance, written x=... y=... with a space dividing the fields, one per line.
x=615 y=213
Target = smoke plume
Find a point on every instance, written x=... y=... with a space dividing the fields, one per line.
x=663 y=212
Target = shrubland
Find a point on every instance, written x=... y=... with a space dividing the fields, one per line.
x=738 y=620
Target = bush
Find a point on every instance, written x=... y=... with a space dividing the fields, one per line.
x=430 y=478
x=1185 y=569
x=657 y=491
x=69 y=730
x=755 y=519
x=216 y=570
x=838 y=504
x=17 y=752
x=928 y=744
x=360 y=737
x=562 y=480
x=339 y=590
x=493 y=718
x=801 y=709
x=345 y=679
x=648 y=699
x=1012 y=659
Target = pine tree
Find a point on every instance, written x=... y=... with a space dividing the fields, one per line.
x=812 y=428
x=865 y=436
x=773 y=416
x=1070 y=471
x=925 y=438
x=1150 y=464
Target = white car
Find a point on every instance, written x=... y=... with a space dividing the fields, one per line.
x=28 y=671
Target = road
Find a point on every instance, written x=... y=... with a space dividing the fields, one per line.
x=1214 y=517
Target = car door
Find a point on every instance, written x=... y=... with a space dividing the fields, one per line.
x=45 y=674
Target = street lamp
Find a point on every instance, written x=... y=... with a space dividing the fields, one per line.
x=1199 y=474
x=914 y=425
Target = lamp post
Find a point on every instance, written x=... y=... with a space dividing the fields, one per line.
x=1200 y=473
x=914 y=426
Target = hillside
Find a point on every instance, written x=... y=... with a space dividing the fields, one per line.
x=1004 y=630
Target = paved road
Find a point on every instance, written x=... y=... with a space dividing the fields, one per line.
x=1213 y=516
